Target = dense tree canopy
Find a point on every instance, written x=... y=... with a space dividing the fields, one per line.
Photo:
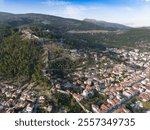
x=18 y=57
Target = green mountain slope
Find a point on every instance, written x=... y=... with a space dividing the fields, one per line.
x=76 y=33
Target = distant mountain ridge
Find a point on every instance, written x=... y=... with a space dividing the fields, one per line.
x=88 y=33
x=31 y=18
x=107 y=24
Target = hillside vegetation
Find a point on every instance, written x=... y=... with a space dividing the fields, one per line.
x=59 y=27
x=25 y=38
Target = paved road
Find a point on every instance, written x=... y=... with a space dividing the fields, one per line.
x=112 y=109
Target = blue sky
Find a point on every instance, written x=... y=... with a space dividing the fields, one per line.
x=128 y=12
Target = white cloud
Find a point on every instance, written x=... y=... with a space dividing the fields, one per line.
x=73 y=10
x=64 y=8
x=55 y=3
x=147 y=0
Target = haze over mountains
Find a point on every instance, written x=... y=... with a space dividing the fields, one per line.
x=107 y=24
